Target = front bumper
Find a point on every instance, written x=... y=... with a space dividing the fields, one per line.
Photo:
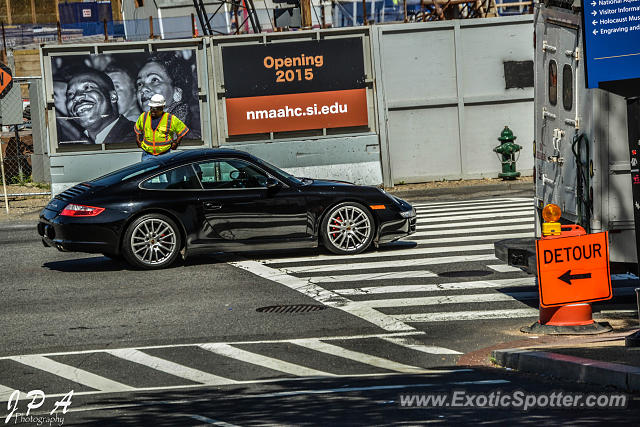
x=397 y=228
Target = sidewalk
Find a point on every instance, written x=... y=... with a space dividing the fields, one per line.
x=594 y=359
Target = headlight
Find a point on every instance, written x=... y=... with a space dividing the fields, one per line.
x=407 y=214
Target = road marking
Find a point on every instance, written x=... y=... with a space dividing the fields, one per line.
x=475 y=208
x=379 y=362
x=414 y=344
x=468 y=315
x=503 y=268
x=327 y=338
x=183 y=402
x=452 y=219
x=207 y=420
x=449 y=299
x=389 y=263
x=266 y=381
x=175 y=369
x=476 y=284
x=497 y=230
x=387 y=251
x=323 y=296
x=390 y=275
x=454 y=214
x=475 y=238
x=71 y=373
x=469 y=226
x=378 y=387
x=500 y=201
x=5 y=393
x=265 y=361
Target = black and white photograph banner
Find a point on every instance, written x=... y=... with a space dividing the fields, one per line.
x=98 y=98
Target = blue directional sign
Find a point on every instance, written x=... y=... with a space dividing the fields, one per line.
x=612 y=40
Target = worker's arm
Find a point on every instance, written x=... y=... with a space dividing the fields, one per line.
x=139 y=129
x=179 y=129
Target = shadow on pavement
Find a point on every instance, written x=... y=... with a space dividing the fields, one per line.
x=347 y=401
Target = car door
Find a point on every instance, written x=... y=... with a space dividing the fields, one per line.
x=244 y=210
x=175 y=190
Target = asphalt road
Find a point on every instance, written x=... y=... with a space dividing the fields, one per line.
x=187 y=346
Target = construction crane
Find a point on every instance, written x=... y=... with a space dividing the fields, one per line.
x=238 y=7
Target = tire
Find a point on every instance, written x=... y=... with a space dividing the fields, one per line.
x=347 y=229
x=151 y=242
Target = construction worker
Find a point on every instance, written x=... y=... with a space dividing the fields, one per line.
x=156 y=130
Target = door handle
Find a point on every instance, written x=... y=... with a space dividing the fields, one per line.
x=213 y=206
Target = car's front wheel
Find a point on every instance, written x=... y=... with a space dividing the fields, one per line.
x=151 y=242
x=348 y=228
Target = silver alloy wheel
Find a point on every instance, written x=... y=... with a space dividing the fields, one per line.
x=153 y=241
x=349 y=228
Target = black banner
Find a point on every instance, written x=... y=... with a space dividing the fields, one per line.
x=295 y=67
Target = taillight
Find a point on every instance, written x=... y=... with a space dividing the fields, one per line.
x=81 y=210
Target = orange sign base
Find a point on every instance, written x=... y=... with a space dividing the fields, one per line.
x=566 y=315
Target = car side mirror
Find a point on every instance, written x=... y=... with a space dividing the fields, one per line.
x=272 y=183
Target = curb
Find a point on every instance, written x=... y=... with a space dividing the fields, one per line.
x=18 y=226
x=461 y=190
x=572 y=368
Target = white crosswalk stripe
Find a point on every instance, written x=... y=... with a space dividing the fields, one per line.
x=479 y=284
x=214 y=375
x=72 y=373
x=388 y=264
x=493 y=230
x=492 y=236
x=454 y=215
x=471 y=226
x=468 y=315
x=393 y=250
x=447 y=209
x=497 y=214
x=168 y=367
x=258 y=359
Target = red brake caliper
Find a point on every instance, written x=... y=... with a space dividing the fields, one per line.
x=339 y=221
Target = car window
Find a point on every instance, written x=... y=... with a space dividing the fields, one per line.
x=223 y=174
x=181 y=178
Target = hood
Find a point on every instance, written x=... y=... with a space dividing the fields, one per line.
x=330 y=182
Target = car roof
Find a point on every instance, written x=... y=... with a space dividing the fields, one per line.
x=204 y=153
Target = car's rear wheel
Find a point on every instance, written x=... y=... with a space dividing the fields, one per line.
x=151 y=242
x=347 y=228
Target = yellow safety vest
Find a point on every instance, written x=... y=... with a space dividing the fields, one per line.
x=158 y=141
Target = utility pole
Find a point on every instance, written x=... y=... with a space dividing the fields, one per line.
x=305 y=13
x=8 y=2
x=33 y=12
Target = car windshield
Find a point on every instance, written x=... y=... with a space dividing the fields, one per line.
x=127 y=172
x=281 y=172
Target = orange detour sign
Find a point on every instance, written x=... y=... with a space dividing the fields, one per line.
x=6 y=81
x=573 y=269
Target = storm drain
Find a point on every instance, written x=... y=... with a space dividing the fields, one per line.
x=465 y=273
x=297 y=308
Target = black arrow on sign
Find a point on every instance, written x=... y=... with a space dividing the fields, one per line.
x=568 y=277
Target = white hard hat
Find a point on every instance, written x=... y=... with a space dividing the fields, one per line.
x=157 y=100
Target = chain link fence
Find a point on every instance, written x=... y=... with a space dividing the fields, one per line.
x=18 y=192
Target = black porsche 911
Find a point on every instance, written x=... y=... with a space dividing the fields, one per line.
x=217 y=200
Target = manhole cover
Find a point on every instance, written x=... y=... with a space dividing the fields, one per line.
x=297 y=308
x=465 y=273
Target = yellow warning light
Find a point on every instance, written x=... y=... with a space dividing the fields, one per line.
x=551 y=213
